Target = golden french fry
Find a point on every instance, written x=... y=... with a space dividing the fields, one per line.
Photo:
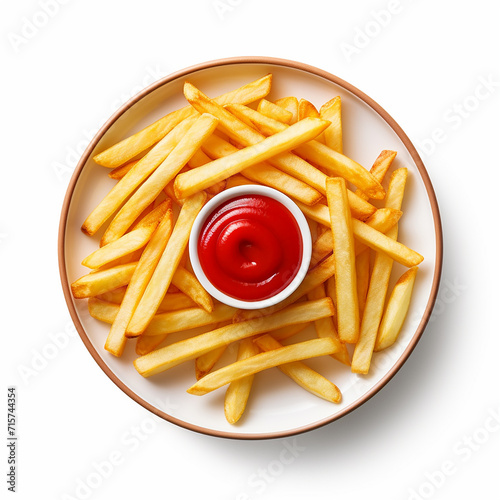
x=154 y=216
x=238 y=392
x=301 y=374
x=187 y=283
x=382 y=220
x=262 y=361
x=379 y=283
x=207 y=175
x=325 y=327
x=116 y=340
x=331 y=111
x=205 y=362
x=345 y=263
x=123 y=246
x=382 y=243
x=340 y=165
x=146 y=343
x=119 y=172
x=291 y=104
x=131 y=146
x=199 y=159
x=173 y=355
x=150 y=189
x=99 y=282
x=306 y=109
x=171 y=301
x=332 y=293
x=162 y=276
x=102 y=310
x=362 y=278
x=264 y=173
x=174 y=301
x=185 y=319
x=396 y=310
x=114 y=296
x=238 y=180
x=360 y=209
x=313 y=278
x=288 y=331
x=285 y=115
x=126 y=259
x=380 y=168
x=134 y=178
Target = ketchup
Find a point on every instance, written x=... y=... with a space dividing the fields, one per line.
x=250 y=247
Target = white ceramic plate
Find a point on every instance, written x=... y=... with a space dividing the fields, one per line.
x=277 y=406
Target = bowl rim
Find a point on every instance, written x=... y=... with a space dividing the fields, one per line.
x=227 y=195
x=264 y=60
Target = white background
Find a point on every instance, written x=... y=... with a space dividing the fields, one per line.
x=432 y=432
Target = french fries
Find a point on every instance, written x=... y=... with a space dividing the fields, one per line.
x=331 y=111
x=306 y=108
x=100 y=282
x=344 y=257
x=165 y=269
x=284 y=114
x=325 y=327
x=263 y=173
x=382 y=220
x=187 y=282
x=320 y=154
x=244 y=135
x=194 y=181
x=142 y=282
x=379 y=282
x=238 y=391
x=153 y=186
x=300 y=373
x=395 y=312
x=132 y=146
x=172 y=355
x=134 y=178
x=291 y=104
x=115 y=342
x=276 y=357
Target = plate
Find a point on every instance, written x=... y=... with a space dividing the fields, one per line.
x=277 y=407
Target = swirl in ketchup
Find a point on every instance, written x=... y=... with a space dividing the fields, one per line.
x=250 y=247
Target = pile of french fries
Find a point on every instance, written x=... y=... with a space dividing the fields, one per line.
x=141 y=281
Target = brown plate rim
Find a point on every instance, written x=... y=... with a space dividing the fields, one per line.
x=275 y=62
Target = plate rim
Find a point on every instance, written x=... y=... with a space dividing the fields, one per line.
x=264 y=60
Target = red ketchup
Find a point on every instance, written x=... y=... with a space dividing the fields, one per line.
x=250 y=247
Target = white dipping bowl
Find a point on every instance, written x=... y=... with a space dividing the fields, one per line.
x=227 y=195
